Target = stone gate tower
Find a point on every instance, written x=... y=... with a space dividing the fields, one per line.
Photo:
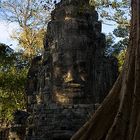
x=72 y=77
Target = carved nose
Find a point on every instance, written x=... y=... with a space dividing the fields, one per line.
x=68 y=77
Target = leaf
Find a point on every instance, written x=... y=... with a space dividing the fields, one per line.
x=114 y=4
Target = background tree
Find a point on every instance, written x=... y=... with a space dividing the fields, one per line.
x=32 y=20
x=118 y=117
x=115 y=13
x=13 y=73
x=31 y=40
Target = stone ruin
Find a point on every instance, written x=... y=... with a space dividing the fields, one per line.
x=70 y=80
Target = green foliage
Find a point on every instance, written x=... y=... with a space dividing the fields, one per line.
x=118 y=49
x=13 y=73
x=121 y=32
x=11 y=92
x=114 y=48
x=121 y=58
x=114 y=10
x=31 y=41
x=116 y=13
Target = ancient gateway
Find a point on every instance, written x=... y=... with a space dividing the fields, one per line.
x=73 y=76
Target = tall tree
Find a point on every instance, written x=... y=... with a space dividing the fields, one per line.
x=118 y=118
x=13 y=73
x=31 y=18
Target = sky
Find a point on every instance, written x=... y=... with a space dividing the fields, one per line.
x=6 y=31
x=107 y=28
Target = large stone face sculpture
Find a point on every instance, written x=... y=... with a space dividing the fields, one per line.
x=73 y=76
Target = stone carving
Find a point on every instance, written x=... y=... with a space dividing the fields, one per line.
x=66 y=86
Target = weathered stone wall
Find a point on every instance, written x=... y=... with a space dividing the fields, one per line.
x=65 y=86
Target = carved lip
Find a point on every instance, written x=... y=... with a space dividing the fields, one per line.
x=73 y=87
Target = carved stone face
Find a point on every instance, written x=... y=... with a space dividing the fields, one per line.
x=70 y=49
x=69 y=75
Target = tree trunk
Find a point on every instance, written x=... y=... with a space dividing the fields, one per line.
x=118 y=118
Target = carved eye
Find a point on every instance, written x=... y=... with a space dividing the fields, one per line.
x=83 y=76
x=82 y=71
x=57 y=72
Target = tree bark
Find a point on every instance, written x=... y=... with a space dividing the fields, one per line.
x=118 y=118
